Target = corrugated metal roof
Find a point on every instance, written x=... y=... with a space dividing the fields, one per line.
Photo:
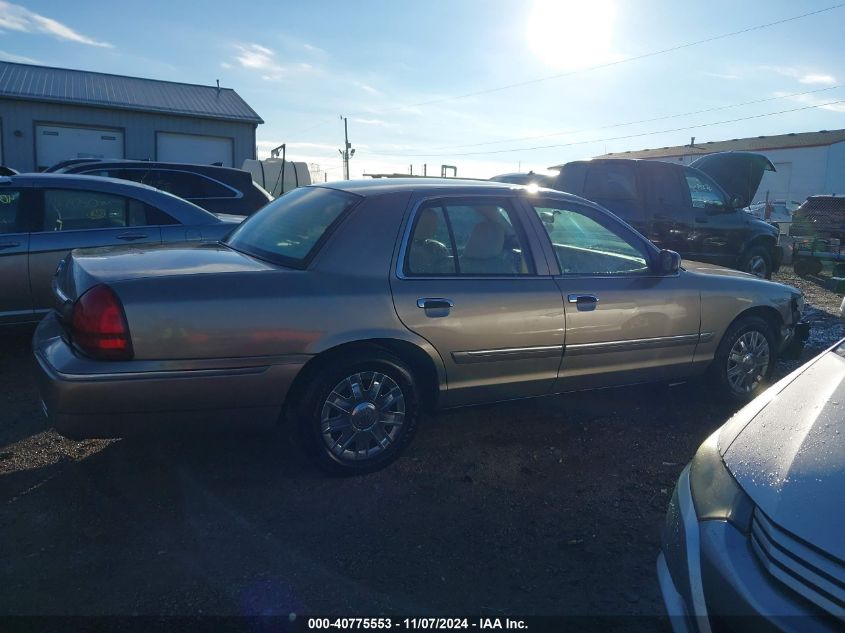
x=753 y=144
x=80 y=87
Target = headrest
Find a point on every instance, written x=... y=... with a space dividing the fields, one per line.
x=485 y=242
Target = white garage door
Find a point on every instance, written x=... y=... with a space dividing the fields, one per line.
x=54 y=143
x=193 y=148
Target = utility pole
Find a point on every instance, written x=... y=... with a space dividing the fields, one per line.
x=347 y=152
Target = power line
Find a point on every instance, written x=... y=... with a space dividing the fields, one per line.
x=617 y=62
x=652 y=120
x=619 y=138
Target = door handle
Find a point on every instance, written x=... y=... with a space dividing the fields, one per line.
x=9 y=244
x=435 y=303
x=582 y=299
x=702 y=220
x=131 y=236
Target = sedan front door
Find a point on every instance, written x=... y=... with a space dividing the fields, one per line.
x=77 y=218
x=624 y=323
x=467 y=281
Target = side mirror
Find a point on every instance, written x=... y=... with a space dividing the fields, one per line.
x=738 y=202
x=668 y=262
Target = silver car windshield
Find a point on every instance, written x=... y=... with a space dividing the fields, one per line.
x=290 y=229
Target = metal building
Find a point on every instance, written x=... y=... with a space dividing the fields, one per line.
x=806 y=163
x=52 y=114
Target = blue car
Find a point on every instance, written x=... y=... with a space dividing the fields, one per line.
x=45 y=216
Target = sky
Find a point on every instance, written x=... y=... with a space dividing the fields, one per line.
x=488 y=86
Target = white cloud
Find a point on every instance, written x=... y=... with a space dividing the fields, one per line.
x=726 y=76
x=314 y=50
x=813 y=78
x=802 y=75
x=260 y=58
x=17 y=18
x=367 y=88
x=812 y=100
x=21 y=59
x=225 y=65
x=377 y=123
x=256 y=56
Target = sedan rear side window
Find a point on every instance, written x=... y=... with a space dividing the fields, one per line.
x=9 y=209
x=470 y=239
x=77 y=210
x=290 y=229
x=585 y=247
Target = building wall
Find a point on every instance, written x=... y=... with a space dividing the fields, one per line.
x=801 y=171
x=18 y=119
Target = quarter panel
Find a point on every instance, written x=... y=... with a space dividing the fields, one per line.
x=725 y=297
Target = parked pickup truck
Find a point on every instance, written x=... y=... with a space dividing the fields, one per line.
x=695 y=210
x=818 y=233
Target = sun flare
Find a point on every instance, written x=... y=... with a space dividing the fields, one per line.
x=571 y=34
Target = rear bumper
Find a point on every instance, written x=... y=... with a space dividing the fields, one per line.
x=85 y=398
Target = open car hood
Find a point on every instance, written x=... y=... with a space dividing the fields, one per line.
x=738 y=173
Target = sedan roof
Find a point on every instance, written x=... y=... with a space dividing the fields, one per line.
x=434 y=185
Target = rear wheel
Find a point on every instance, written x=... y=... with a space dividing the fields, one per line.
x=745 y=359
x=758 y=262
x=359 y=414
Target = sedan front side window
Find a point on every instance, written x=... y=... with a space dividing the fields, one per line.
x=584 y=246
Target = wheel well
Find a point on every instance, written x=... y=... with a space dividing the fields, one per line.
x=767 y=241
x=768 y=314
x=421 y=365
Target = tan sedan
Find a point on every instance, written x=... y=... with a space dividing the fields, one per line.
x=349 y=308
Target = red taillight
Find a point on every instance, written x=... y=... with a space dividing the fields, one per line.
x=99 y=326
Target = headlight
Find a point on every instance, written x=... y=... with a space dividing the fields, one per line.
x=798 y=303
x=715 y=493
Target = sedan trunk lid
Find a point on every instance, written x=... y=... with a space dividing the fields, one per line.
x=84 y=268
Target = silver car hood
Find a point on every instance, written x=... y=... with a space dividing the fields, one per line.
x=713 y=269
x=790 y=458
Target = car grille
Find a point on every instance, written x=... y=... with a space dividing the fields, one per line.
x=810 y=572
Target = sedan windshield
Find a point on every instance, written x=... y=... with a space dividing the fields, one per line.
x=289 y=230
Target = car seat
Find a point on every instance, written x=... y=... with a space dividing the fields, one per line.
x=428 y=255
x=484 y=251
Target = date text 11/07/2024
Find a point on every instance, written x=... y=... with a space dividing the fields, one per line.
x=417 y=623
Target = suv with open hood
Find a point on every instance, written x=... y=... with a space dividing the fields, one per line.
x=694 y=210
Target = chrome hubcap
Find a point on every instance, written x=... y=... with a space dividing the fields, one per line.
x=748 y=361
x=757 y=266
x=362 y=416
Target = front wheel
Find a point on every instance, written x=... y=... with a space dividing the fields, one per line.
x=359 y=414
x=758 y=262
x=745 y=359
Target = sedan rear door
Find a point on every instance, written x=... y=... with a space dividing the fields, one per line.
x=16 y=212
x=624 y=323
x=468 y=281
x=82 y=218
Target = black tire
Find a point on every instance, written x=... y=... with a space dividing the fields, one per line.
x=720 y=367
x=315 y=400
x=757 y=260
x=808 y=266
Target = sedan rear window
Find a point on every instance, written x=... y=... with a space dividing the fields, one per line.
x=289 y=230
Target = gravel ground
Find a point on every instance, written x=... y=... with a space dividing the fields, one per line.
x=549 y=506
